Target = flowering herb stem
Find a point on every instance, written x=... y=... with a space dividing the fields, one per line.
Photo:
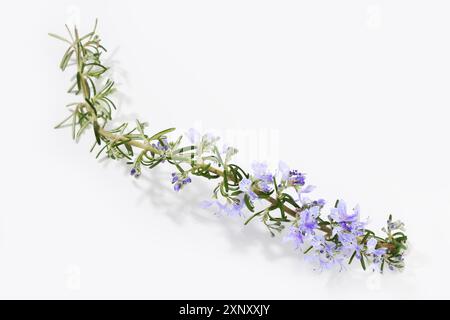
x=328 y=242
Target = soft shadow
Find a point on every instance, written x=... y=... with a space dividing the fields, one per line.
x=154 y=188
x=181 y=207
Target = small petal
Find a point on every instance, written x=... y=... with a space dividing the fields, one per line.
x=307 y=189
x=193 y=135
x=284 y=170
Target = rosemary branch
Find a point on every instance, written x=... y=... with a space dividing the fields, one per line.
x=343 y=232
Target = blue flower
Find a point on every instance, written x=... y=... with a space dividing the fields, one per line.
x=296 y=178
x=319 y=202
x=230 y=208
x=284 y=170
x=349 y=227
x=246 y=186
x=162 y=145
x=135 y=173
x=305 y=200
x=295 y=235
x=339 y=214
x=177 y=187
x=187 y=180
x=292 y=177
x=349 y=244
x=325 y=254
x=193 y=136
x=348 y=230
x=308 y=220
x=305 y=229
x=264 y=177
x=371 y=248
x=179 y=180
x=376 y=255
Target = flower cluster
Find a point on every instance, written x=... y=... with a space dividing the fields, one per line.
x=329 y=237
x=328 y=240
x=179 y=180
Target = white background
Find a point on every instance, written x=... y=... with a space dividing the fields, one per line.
x=355 y=93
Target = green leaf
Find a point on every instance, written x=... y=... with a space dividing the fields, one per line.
x=79 y=81
x=189 y=149
x=307 y=250
x=66 y=58
x=86 y=36
x=59 y=125
x=94 y=90
x=96 y=132
x=288 y=198
x=92 y=106
x=249 y=203
x=363 y=264
x=236 y=168
x=110 y=102
x=59 y=38
x=140 y=127
x=219 y=157
x=83 y=126
x=275 y=184
x=352 y=257
x=225 y=180
x=129 y=148
x=160 y=134
x=101 y=150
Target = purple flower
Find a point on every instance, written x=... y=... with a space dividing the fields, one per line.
x=296 y=178
x=296 y=236
x=135 y=173
x=179 y=180
x=349 y=243
x=246 y=186
x=293 y=177
x=349 y=227
x=319 y=202
x=348 y=230
x=375 y=254
x=162 y=146
x=284 y=170
x=308 y=220
x=371 y=245
x=230 y=208
x=305 y=201
x=339 y=214
x=306 y=226
x=177 y=187
x=193 y=136
x=302 y=199
x=325 y=254
x=234 y=209
x=186 y=180
x=261 y=173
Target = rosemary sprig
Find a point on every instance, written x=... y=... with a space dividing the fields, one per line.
x=93 y=111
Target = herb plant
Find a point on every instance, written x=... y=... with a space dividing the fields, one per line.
x=328 y=238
